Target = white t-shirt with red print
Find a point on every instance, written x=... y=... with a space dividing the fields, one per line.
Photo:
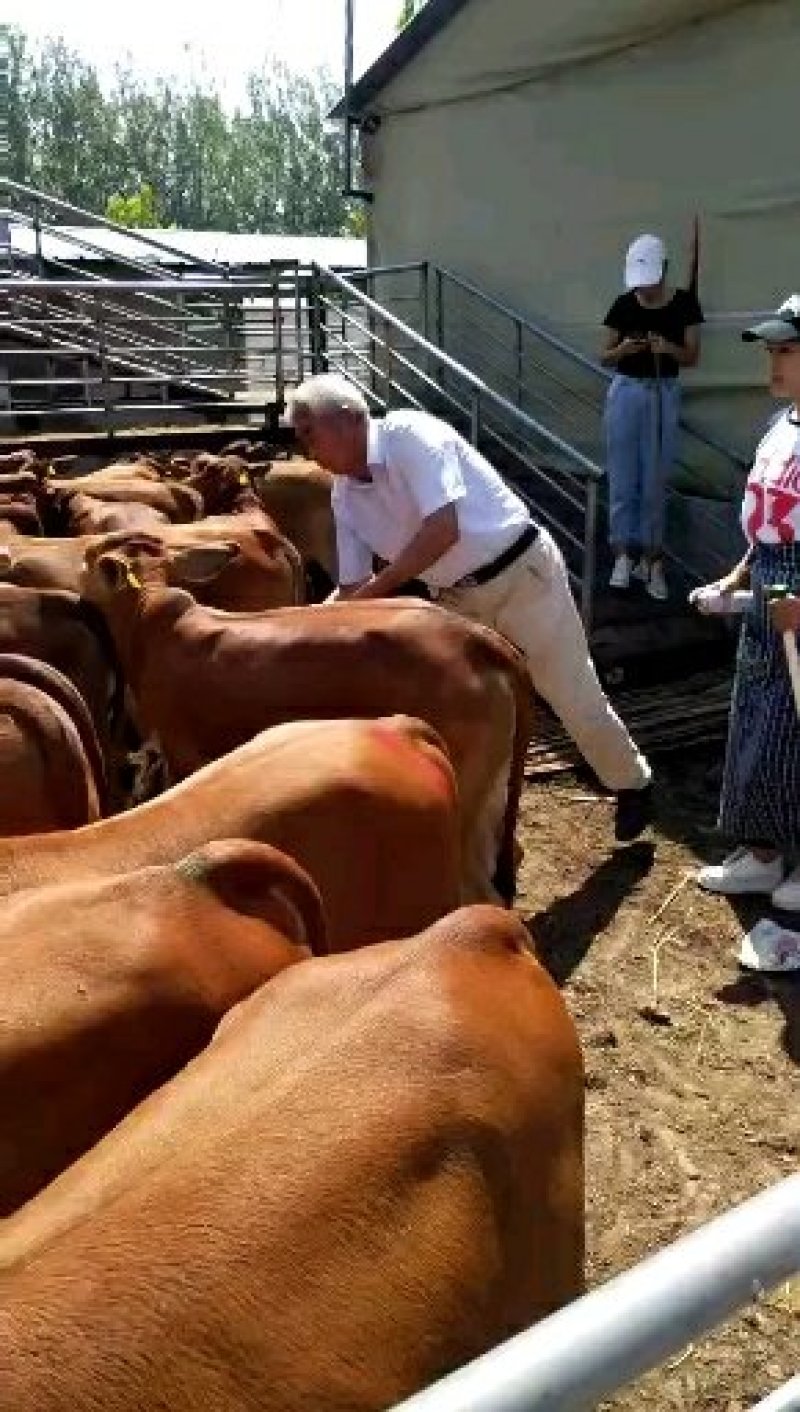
x=771 y=508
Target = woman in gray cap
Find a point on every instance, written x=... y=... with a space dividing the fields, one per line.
x=760 y=802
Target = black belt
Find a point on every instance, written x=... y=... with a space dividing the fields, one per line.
x=503 y=561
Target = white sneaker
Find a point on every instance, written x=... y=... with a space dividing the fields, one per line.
x=657 y=584
x=641 y=571
x=621 y=572
x=741 y=872
x=787 y=895
x=770 y=947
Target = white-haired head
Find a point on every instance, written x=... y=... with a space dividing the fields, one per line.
x=325 y=394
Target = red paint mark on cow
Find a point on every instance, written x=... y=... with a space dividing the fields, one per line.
x=423 y=756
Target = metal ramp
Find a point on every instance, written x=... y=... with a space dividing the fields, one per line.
x=132 y=345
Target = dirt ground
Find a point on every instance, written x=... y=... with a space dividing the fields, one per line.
x=693 y=1085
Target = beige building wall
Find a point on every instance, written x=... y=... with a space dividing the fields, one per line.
x=531 y=139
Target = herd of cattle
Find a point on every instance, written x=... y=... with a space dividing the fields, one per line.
x=291 y=1117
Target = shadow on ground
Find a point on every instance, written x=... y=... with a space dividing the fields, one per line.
x=563 y=932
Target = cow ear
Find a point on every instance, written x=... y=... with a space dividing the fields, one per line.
x=114 y=572
x=199 y=563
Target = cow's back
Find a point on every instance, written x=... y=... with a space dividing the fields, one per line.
x=373 y=1175
x=369 y=809
x=47 y=780
x=111 y=986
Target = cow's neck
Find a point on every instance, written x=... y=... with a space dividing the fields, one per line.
x=138 y=623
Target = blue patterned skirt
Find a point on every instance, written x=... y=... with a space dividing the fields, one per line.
x=760 y=801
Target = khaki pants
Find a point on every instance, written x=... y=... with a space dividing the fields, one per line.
x=531 y=603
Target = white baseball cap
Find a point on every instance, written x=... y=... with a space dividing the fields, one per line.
x=644 y=261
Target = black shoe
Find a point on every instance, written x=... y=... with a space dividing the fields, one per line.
x=634 y=812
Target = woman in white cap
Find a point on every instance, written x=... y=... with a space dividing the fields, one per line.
x=760 y=802
x=653 y=332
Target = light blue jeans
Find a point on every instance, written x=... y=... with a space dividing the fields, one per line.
x=640 y=450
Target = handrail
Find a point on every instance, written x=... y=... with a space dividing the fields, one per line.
x=57 y=204
x=406 y=268
x=230 y=289
x=580 y=359
x=590 y=468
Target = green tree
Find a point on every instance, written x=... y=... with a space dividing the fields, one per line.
x=157 y=152
x=139 y=209
x=409 y=9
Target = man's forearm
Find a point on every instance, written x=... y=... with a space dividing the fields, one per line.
x=437 y=534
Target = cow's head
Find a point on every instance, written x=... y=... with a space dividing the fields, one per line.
x=122 y=563
x=220 y=481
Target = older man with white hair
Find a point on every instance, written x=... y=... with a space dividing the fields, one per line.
x=413 y=492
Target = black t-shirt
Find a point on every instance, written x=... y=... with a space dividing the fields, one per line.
x=630 y=319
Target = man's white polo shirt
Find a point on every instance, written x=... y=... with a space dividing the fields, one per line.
x=419 y=464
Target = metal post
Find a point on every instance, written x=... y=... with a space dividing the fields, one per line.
x=298 y=326
x=475 y=417
x=598 y=1344
x=314 y=310
x=424 y=299
x=387 y=364
x=37 y=233
x=277 y=319
x=589 y=551
x=784 y=1399
x=439 y=282
x=348 y=85
x=372 y=347
x=439 y=308
x=227 y=347
x=102 y=351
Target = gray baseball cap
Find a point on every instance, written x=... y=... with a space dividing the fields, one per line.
x=781 y=327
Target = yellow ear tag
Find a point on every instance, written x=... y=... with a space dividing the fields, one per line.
x=243 y=478
x=133 y=581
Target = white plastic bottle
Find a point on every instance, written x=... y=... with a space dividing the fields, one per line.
x=709 y=600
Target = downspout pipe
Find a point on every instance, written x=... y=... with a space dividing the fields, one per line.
x=350 y=123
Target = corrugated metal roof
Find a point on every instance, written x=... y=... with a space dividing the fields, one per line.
x=240 y=250
x=431 y=19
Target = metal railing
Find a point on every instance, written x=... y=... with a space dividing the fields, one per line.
x=395 y=364
x=407 y=335
x=565 y=390
x=610 y=1337
x=73 y=349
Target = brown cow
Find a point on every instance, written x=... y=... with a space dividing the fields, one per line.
x=368 y=808
x=373 y=1175
x=85 y=515
x=69 y=634
x=112 y=985
x=179 y=503
x=267 y=572
x=19 y=514
x=296 y=494
x=204 y=682
x=52 y=773
x=19 y=507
